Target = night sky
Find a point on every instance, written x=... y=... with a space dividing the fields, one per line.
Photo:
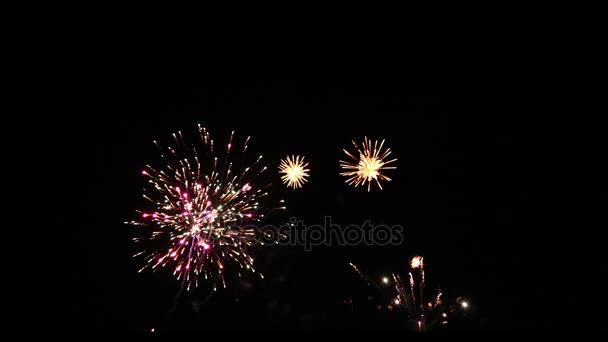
x=494 y=121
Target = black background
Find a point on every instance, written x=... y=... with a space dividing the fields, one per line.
x=495 y=116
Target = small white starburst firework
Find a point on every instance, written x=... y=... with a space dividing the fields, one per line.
x=294 y=171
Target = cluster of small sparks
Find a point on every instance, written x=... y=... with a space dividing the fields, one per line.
x=427 y=315
x=294 y=171
x=202 y=205
x=366 y=164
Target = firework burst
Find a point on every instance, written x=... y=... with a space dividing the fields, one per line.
x=368 y=165
x=199 y=204
x=295 y=171
x=416 y=262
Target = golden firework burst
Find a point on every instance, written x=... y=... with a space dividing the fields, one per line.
x=295 y=171
x=368 y=166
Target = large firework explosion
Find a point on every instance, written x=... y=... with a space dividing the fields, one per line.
x=204 y=207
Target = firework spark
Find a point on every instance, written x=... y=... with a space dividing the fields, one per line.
x=416 y=262
x=295 y=171
x=368 y=166
x=199 y=204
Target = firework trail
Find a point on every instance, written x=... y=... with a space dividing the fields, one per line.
x=204 y=208
x=438 y=298
x=295 y=171
x=368 y=165
x=361 y=274
x=422 y=283
x=401 y=291
x=412 y=289
x=418 y=262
